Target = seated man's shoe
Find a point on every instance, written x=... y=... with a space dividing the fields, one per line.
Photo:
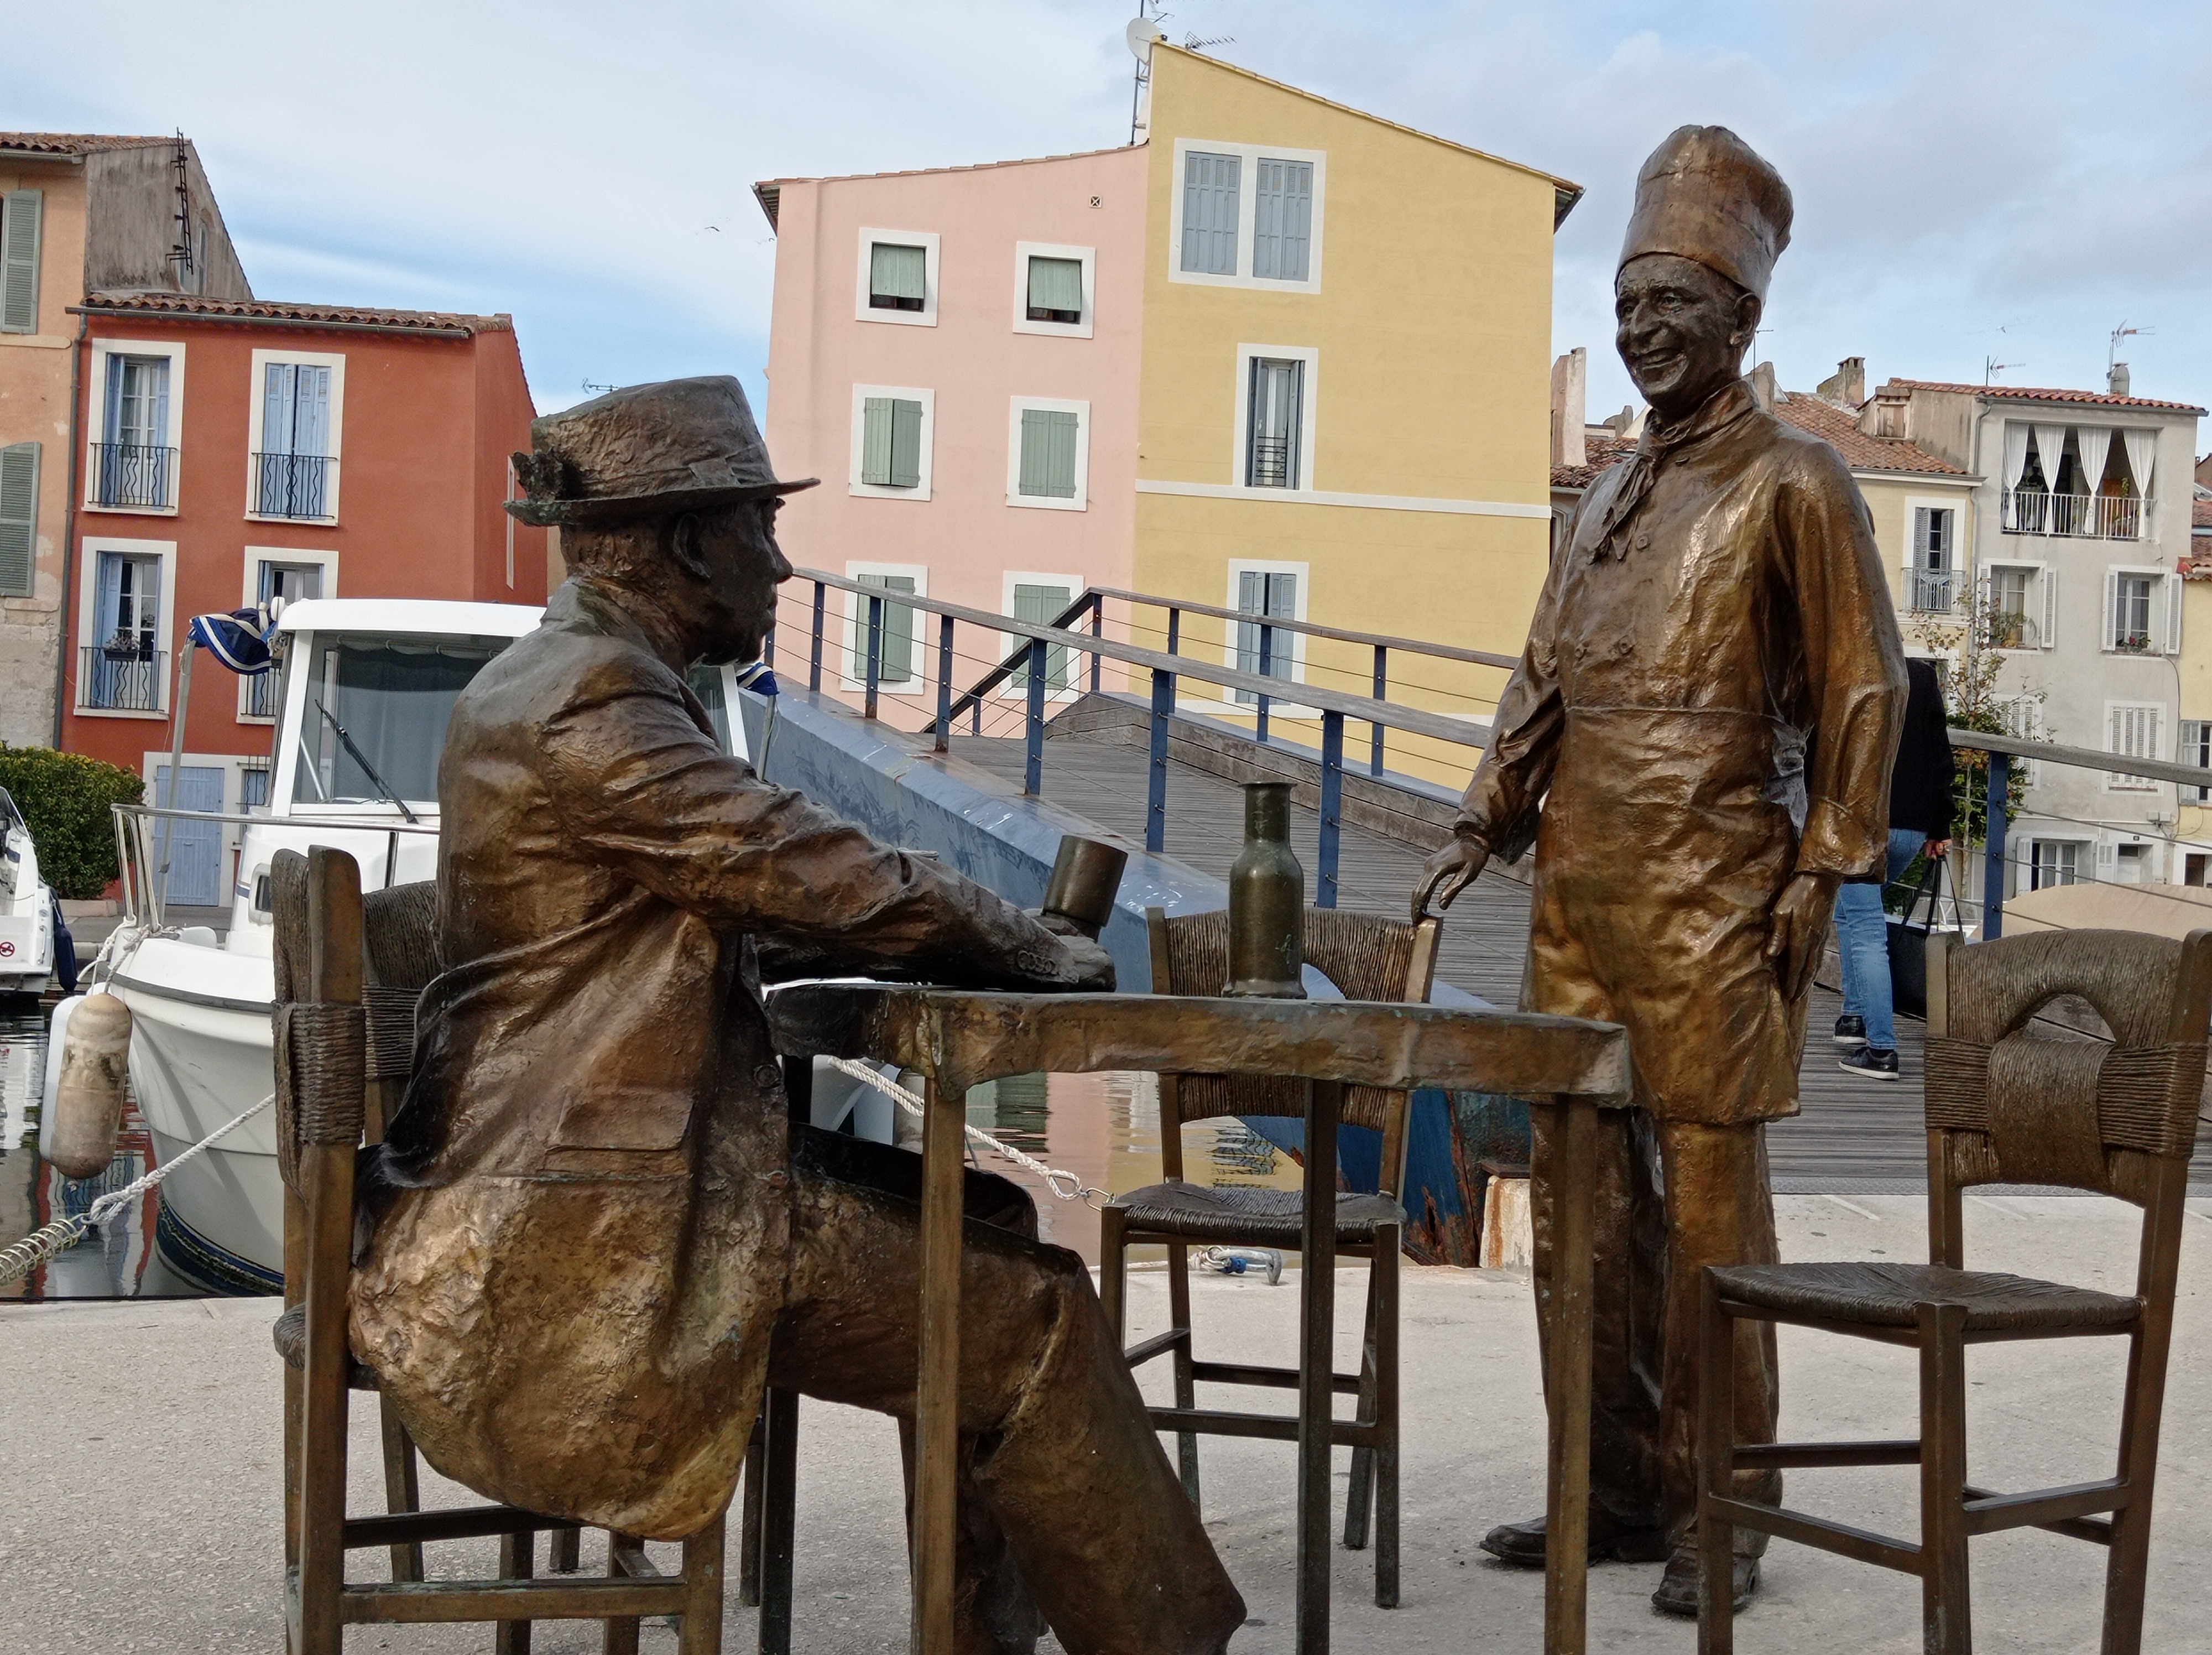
x=1850 y=1032
x=1678 y=1588
x=1871 y=1062
x=1522 y=1544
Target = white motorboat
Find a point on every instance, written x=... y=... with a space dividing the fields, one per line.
x=26 y=908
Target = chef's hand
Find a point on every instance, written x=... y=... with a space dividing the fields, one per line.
x=1090 y=967
x=1800 y=919
x=1446 y=873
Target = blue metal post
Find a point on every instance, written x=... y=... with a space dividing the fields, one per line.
x=875 y=655
x=814 y=664
x=1993 y=856
x=1266 y=666
x=1097 y=630
x=1175 y=630
x=943 y=683
x=1033 y=761
x=1382 y=685
x=1332 y=807
x=1156 y=784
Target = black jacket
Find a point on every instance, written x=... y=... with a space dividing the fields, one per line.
x=1920 y=782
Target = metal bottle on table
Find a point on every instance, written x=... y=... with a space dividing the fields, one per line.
x=1266 y=901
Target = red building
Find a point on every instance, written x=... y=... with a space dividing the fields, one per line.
x=235 y=450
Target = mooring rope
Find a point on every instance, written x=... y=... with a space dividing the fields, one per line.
x=1054 y=1177
x=41 y=1245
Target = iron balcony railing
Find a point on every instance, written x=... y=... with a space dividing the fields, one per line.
x=2090 y=516
x=1932 y=591
x=292 y=485
x=262 y=699
x=122 y=679
x=1271 y=463
x=132 y=474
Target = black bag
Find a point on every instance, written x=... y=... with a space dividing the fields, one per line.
x=1908 y=944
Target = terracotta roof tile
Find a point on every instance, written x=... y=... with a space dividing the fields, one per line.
x=2200 y=514
x=270 y=310
x=1839 y=427
x=1598 y=454
x=2028 y=394
x=76 y=143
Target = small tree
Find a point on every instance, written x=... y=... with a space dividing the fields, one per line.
x=66 y=799
x=1971 y=702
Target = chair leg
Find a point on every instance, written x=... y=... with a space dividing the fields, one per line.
x=402 y=1487
x=1358 y=1500
x=564 y=1551
x=621 y=1635
x=2129 y=1563
x=1185 y=1391
x=1114 y=1274
x=779 y=1502
x=700 y=1632
x=749 y=1512
x=1386 y=1279
x=517 y=1555
x=1946 y=1624
x=1715 y=1475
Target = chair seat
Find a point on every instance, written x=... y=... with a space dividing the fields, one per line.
x=290 y=1335
x=1888 y=1295
x=1243 y=1212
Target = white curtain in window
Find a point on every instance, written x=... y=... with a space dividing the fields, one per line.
x=2094 y=441
x=2015 y=453
x=2143 y=456
x=2049 y=444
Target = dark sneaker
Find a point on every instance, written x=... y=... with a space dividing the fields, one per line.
x=1522 y=1544
x=1875 y=1065
x=1678 y=1588
x=1850 y=1032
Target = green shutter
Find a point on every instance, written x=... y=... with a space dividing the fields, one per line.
x=1048 y=453
x=19 y=517
x=906 y=444
x=876 y=442
x=897 y=272
x=1056 y=284
x=19 y=261
x=1041 y=605
x=897 y=657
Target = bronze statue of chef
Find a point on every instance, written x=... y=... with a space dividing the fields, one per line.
x=595 y=1236
x=1697 y=741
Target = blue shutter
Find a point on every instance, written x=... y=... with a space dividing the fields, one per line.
x=1282 y=220
x=1210 y=185
x=279 y=407
x=19 y=518
x=311 y=423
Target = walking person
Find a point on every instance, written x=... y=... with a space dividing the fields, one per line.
x=1920 y=786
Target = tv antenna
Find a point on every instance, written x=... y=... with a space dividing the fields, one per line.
x=592 y=390
x=2122 y=332
x=1144 y=28
x=1991 y=368
x=1198 y=43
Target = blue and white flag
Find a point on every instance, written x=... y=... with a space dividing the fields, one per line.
x=236 y=640
x=758 y=679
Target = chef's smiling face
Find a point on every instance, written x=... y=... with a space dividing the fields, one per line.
x=1681 y=330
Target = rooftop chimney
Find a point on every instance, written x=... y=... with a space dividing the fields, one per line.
x=1889 y=414
x=1846 y=386
x=2116 y=381
x=1570 y=378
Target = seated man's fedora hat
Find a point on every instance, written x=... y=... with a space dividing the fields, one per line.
x=645 y=451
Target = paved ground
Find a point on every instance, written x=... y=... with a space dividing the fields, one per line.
x=140 y=1476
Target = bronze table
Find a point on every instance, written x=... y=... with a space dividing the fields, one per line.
x=957 y=1039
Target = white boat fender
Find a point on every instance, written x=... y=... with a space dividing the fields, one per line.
x=88 y=1102
x=57 y=1033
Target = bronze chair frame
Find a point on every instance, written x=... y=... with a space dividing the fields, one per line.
x=2113 y=1512
x=1372 y=1434
x=323 y=1093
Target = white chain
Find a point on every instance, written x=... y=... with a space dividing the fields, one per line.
x=1054 y=1177
x=41 y=1245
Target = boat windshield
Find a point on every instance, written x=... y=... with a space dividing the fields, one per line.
x=373 y=724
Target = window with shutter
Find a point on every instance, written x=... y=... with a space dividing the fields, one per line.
x=1274 y=425
x=1047 y=465
x=19 y=518
x=875 y=442
x=1273 y=593
x=2195 y=749
x=1210 y=189
x=897 y=645
x=906 y=444
x=1055 y=290
x=2132 y=732
x=20 y=213
x=898 y=277
x=2129 y=608
x=1282 y=223
x=1041 y=605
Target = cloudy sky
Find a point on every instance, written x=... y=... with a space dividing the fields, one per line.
x=1974 y=180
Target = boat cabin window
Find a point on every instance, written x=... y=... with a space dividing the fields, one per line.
x=373 y=721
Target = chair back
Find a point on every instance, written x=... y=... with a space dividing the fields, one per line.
x=399 y=940
x=1366 y=956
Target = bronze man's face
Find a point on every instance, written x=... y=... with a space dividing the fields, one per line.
x=733 y=552
x=1681 y=330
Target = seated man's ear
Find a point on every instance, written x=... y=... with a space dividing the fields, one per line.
x=686 y=544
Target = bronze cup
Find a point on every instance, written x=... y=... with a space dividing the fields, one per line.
x=1085 y=876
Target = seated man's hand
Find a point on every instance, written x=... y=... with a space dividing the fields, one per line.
x=1091 y=968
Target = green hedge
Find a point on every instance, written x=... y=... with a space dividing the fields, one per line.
x=64 y=799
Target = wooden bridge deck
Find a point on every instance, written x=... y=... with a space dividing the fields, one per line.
x=1854 y=1135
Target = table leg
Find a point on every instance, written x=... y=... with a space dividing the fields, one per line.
x=1566 y=1603
x=1316 y=1362
x=937 y=1398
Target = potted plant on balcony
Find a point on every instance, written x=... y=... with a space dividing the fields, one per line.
x=128 y=646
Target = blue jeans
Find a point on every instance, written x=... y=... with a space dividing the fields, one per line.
x=1863 y=939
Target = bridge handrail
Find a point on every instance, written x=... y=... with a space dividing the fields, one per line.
x=1315 y=629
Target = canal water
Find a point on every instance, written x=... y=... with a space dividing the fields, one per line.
x=1105 y=1128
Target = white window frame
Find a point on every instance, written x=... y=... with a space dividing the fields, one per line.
x=1241 y=424
x=96 y=432
x=1017 y=685
x=1025 y=251
x=87 y=614
x=2023 y=715
x=2042 y=596
x=1248 y=207
x=1081 y=410
x=2081 y=875
x=323 y=558
x=927 y=241
x=2165 y=609
x=877 y=490
x=856 y=619
x=1957 y=566
x=257 y=408
x=1297 y=641
x=2116 y=782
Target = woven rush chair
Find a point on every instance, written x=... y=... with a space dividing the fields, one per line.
x=327 y=1093
x=2005 y=1105
x=1367 y=958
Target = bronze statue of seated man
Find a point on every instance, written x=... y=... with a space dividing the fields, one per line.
x=595 y=1237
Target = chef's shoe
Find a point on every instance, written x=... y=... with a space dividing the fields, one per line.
x=1678 y=1588
x=1522 y=1544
